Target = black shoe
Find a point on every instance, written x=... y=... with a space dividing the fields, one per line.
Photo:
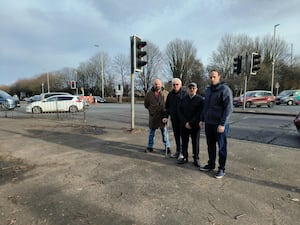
x=196 y=163
x=149 y=150
x=182 y=161
x=168 y=151
x=174 y=155
x=206 y=168
x=220 y=174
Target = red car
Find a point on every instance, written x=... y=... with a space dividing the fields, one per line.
x=297 y=122
x=256 y=98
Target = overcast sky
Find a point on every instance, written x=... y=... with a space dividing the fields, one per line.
x=47 y=35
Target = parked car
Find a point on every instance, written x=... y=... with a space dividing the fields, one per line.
x=256 y=98
x=297 y=99
x=56 y=103
x=287 y=97
x=297 y=122
x=49 y=94
x=33 y=98
x=99 y=99
x=7 y=101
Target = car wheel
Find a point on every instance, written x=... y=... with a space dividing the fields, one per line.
x=290 y=102
x=73 y=109
x=36 y=110
x=271 y=104
x=248 y=104
x=2 y=107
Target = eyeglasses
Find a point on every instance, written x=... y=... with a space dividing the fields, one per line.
x=175 y=84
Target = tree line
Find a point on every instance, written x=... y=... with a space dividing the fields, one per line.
x=179 y=59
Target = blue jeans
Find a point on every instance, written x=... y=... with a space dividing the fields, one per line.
x=212 y=138
x=165 y=137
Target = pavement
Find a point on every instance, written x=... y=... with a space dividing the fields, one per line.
x=70 y=172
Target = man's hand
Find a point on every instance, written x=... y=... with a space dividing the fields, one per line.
x=164 y=120
x=201 y=124
x=187 y=125
x=220 y=129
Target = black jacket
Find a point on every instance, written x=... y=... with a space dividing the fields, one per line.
x=190 y=110
x=172 y=103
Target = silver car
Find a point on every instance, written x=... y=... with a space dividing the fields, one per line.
x=7 y=102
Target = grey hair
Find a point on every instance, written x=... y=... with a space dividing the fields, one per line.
x=176 y=79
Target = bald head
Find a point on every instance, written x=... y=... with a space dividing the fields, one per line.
x=157 y=84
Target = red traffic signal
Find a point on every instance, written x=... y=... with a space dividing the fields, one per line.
x=73 y=84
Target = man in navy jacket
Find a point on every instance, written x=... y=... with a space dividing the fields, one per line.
x=215 y=118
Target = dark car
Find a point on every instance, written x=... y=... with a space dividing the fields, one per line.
x=297 y=122
x=99 y=99
x=33 y=98
x=255 y=98
x=7 y=101
x=287 y=97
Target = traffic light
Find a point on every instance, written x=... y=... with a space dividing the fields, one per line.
x=73 y=84
x=237 y=64
x=255 y=61
x=137 y=54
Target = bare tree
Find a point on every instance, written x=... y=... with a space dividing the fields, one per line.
x=181 y=56
x=122 y=70
x=229 y=48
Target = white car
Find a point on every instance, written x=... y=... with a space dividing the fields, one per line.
x=56 y=103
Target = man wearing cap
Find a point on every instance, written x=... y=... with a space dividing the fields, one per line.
x=189 y=111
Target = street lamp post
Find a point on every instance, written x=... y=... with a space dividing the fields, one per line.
x=48 y=82
x=273 y=57
x=102 y=72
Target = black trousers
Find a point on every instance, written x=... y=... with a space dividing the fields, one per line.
x=195 y=136
x=177 y=132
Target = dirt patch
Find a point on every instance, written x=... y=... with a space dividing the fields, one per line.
x=12 y=169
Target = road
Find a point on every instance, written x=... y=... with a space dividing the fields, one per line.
x=265 y=125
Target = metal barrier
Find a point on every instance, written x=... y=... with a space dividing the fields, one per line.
x=20 y=112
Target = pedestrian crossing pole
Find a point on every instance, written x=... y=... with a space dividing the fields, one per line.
x=133 y=61
x=246 y=80
x=137 y=62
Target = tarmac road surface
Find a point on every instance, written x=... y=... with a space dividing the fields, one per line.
x=56 y=172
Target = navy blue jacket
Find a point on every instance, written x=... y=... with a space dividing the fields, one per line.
x=190 y=110
x=218 y=104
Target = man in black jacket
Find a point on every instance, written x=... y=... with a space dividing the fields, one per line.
x=190 y=110
x=173 y=99
x=215 y=118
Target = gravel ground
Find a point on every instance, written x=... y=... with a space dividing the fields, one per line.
x=60 y=172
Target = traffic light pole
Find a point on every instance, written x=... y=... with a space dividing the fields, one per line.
x=132 y=99
x=246 y=81
x=137 y=63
